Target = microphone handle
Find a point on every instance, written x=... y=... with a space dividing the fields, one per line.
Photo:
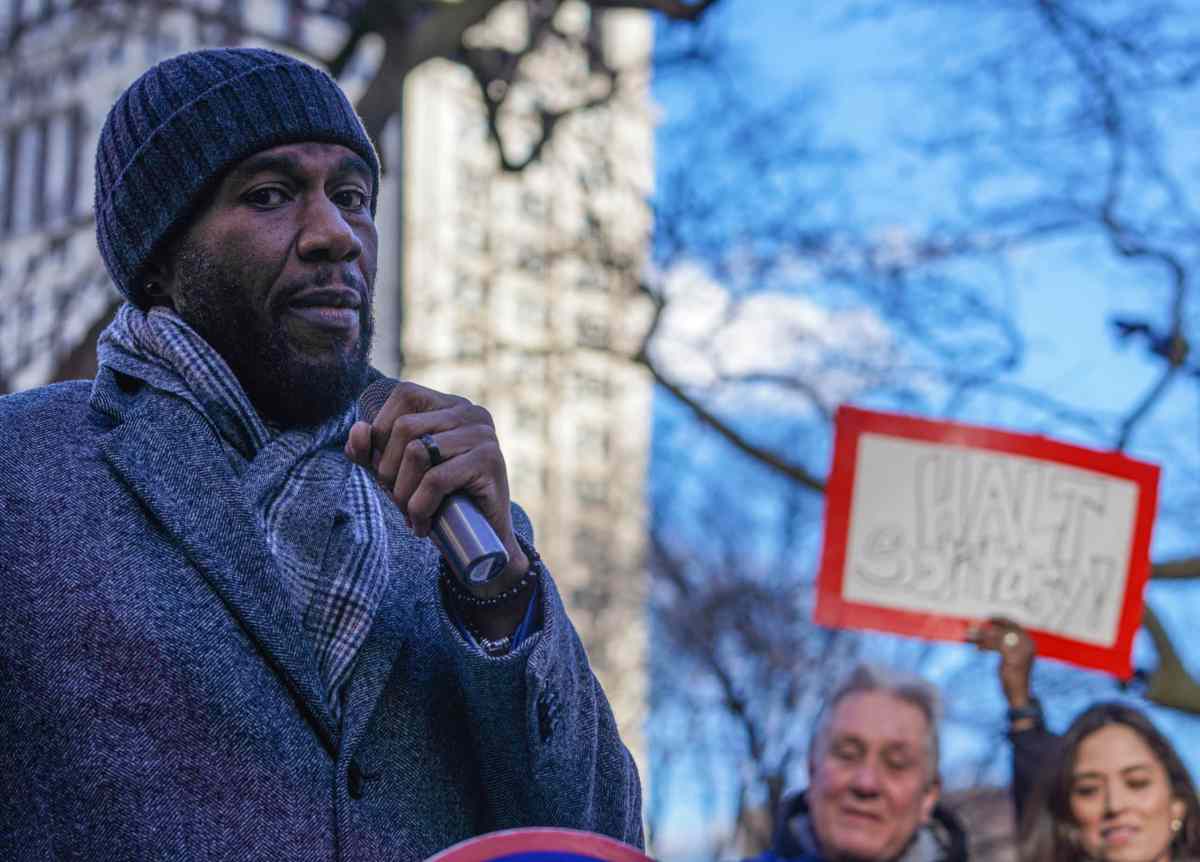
x=467 y=541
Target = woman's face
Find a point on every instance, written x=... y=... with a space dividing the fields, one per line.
x=1121 y=798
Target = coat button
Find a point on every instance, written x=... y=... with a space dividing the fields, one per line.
x=354 y=780
x=546 y=709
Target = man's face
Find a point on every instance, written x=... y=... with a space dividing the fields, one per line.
x=871 y=785
x=277 y=274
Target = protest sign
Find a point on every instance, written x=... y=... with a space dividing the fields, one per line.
x=931 y=527
x=539 y=844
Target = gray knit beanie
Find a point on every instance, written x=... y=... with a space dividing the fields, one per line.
x=183 y=123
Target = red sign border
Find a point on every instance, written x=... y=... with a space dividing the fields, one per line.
x=833 y=611
x=537 y=839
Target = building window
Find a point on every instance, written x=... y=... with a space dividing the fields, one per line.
x=592 y=492
x=230 y=26
x=6 y=180
x=533 y=262
x=592 y=332
x=59 y=157
x=24 y=145
x=294 y=21
x=528 y=370
x=593 y=440
x=589 y=385
x=533 y=205
x=474 y=236
x=533 y=313
x=594 y=550
x=591 y=281
x=76 y=154
x=528 y=418
x=8 y=21
x=468 y=290
x=40 y=164
x=38 y=204
x=595 y=42
x=469 y=344
x=473 y=185
x=538 y=12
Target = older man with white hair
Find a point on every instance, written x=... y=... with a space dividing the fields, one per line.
x=874 y=787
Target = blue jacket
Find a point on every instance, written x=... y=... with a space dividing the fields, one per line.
x=158 y=702
x=942 y=839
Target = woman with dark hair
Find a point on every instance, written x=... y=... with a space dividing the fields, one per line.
x=1112 y=788
x=1118 y=792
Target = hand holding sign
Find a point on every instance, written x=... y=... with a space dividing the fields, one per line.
x=1017 y=652
x=933 y=525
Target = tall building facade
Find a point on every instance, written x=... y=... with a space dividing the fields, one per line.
x=516 y=294
x=511 y=288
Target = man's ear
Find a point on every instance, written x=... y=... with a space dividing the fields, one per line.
x=933 y=792
x=158 y=280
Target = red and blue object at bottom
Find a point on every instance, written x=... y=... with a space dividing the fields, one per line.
x=541 y=845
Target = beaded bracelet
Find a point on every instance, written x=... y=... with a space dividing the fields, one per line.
x=470 y=600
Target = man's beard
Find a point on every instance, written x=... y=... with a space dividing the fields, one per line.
x=287 y=388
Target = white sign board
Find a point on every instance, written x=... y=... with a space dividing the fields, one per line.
x=934 y=526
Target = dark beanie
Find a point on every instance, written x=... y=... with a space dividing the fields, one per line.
x=180 y=126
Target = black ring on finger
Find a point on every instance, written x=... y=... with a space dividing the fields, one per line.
x=431 y=449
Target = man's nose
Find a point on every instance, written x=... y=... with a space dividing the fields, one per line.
x=325 y=234
x=864 y=780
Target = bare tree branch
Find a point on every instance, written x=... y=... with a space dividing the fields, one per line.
x=1186 y=569
x=759 y=453
x=678 y=10
x=1170 y=684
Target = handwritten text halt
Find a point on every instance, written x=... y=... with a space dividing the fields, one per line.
x=931 y=526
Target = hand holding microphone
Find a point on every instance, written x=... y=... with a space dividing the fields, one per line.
x=438 y=457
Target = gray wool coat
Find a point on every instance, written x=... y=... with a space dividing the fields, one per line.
x=157 y=700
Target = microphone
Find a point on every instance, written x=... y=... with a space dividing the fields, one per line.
x=466 y=539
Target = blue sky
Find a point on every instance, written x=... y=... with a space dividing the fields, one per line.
x=877 y=83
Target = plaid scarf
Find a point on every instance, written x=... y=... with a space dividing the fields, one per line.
x=319 y=512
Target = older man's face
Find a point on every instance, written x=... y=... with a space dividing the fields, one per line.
x=277 y=274
x=872 y=778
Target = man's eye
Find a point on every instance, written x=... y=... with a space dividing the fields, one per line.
x=351 y=199
x=266 y=196
x=897 y=764
x=847 y=753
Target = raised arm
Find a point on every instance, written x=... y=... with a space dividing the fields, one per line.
x=1033 y=745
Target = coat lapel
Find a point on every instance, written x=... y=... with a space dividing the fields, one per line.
x=173 y=462
x=409 y=559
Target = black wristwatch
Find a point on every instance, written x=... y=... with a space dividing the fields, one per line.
x=1031 y=710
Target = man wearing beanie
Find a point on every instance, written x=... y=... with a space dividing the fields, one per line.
x=226 y=634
